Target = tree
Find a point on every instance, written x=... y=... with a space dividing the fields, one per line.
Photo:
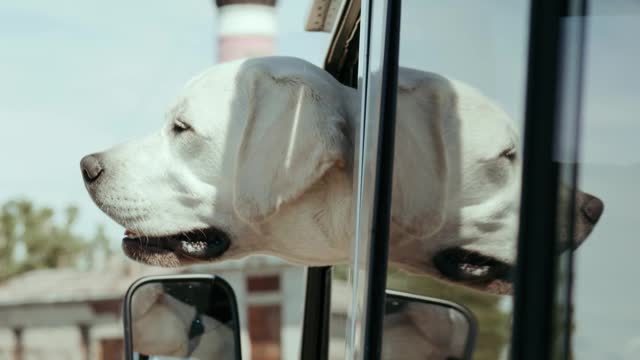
x=31 y=238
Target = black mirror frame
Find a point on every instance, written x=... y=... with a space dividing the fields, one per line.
x=468 y=315
x=126 y=305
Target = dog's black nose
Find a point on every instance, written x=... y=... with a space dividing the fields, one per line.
x=91 y=168
x=592 y=208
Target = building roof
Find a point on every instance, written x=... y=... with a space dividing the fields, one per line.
x=47 y=286
x=62 y=297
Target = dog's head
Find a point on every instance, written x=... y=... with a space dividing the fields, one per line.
x=244 y=140
x=256 y=157
x=475 y=243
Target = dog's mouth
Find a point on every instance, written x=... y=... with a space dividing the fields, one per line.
x=474 y=269
x=176 y=249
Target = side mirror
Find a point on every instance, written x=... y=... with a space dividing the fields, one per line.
x=418 y=327
x=181 y=317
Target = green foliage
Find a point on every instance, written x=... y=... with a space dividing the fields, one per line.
x=31 y=237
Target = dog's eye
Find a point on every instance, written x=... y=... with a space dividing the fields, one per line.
x=509 y=154
x=180 y=126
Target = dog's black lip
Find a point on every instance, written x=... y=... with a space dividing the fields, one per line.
x=216 y=242
x=449 y=263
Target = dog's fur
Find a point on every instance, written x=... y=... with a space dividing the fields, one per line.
x=262 y=151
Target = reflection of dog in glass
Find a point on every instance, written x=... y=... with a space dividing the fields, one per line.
x=256 y=156
x=164 y=326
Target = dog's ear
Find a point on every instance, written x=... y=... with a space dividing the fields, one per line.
x=421 y=164
x=293 y=136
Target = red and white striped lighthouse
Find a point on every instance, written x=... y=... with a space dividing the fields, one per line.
x=246 y=28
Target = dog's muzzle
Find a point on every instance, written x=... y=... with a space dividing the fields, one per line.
x=485 y=272
x=189 y=246
x=463 y=265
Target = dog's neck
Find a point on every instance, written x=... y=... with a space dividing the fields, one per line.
x=326 y=211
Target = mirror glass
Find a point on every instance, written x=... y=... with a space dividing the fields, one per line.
x=418 y=327
x=181 y=317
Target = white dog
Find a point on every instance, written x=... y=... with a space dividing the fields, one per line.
x=256 y=157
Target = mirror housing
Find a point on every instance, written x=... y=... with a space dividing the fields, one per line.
x=420 y=327
x=181 y=316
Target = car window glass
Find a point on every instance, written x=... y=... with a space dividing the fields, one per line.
x=462 y=77
x=606 y=323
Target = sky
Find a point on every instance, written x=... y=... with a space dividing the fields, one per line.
x=77 y=77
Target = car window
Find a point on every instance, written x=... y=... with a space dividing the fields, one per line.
x=79 y=78
x=498 y=72
x=485 y=47
x=463 y=69
x=605 y=321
